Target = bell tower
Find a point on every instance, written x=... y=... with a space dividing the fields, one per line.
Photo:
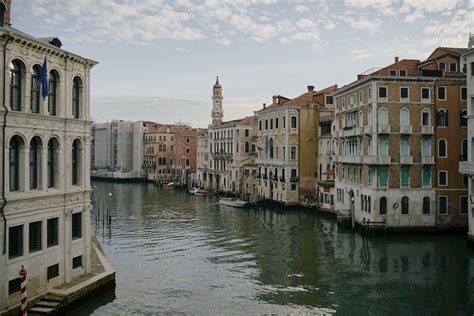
x=217 y=112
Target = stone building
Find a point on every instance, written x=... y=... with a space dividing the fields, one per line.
x=170 y=153
x=230 y=145
x=326 y=169
x=118 y=149
x=451 y=134
x=288 y=147
x=467 y=167
x=46 y=191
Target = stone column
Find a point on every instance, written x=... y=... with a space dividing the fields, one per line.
x=25 y=169
x=44 y=168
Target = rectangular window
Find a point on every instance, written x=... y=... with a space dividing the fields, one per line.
x=403 y=72
x=187 y=162
x=442 y=178
x=14 y=286
x=463 y=93
x=441 y=93
x=405 y=177
x=276 y=125
x=259 y=125
x=462 y=118
x=453 y=67
x=271 y=123
x=329 y=99
x=188 y=150
x=443 y=205
x=266 y=124
x=77 y=262
x=293 y=153
x=284 y=121
x=293 y=122
x=403 y=93
x=442 y=66
x=53 y=271
x=425 y=94
x=382 y=92
x=15 y=241
x=369 y=176
x=369 y=94
x=463 y=205
x=35 y=236
x=392 y=72
x=293 y=187
x=361 y=95
x=472 y=69
x=76 y=225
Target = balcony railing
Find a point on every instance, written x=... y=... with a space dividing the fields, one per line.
x=368 y=129
x=427 y=160
x=282 y=179
x=427 y=129
x=466 y=167
x=406 y=130
x=406 y=160
x=294 y=179
x=384 y=129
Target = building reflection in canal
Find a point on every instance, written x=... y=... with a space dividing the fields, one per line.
x=184 y=254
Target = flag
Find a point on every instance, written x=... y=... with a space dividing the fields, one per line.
x=44 y=79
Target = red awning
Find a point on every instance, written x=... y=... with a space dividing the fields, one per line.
x=330 y=172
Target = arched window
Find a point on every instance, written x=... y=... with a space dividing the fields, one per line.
x=405 y=205
x=404 y=117
x=442 y=118
x=442 y=148
x=53 y=86
x=35 y=89
x=52 y=165
x=76 y=97
x=426 y=205
x=369 y=117
x=463 y=118
x=383 y=205
x=75 y=162
x=15 y=164
x=383 y=116
x=34 y=163
x=425 y=117
x=247 y=147
x=383 y=146
x=164 y=161
x=16 y=85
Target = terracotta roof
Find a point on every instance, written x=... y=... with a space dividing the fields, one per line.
x=248 y=120
x=443 y=51
x=305 y=99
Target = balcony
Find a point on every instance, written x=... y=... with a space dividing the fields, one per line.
x=466 y=167
x=367 y=129
x=406 y=130
x=275 y=178
x=282 y=179
x=264 y=177
x=406 y=160
x=294 y=179
x=384 y=129
x=427 y=129
x=427 y=160
x=326 y=183
x=377 y=160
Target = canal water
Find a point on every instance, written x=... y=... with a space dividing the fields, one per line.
x=177 y=253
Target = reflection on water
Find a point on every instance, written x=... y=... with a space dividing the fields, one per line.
x=177 y=253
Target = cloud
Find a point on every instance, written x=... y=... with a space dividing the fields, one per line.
x=360 y=54
x=383 y=6
x=413 y=17
x=365 y=24
x=430 y=5
x=305 y=24
x=301 y=8
x=224 y=41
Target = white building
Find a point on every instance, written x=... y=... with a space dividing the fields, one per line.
x=326 y=168
x=45 y=204
x=118 y=149
x=467 y=167
x=230 y=145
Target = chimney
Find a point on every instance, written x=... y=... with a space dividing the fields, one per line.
x=274 y=99
x=396 y=59
x=310 y=88
x=264 y=106
x=5 y=13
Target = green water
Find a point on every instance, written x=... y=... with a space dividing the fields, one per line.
x=177 y=253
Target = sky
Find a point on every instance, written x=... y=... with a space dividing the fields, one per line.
x=158 y=59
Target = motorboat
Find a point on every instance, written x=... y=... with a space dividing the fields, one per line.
x=169 y=186
x=193 y=190
x=233 y=202
x=204 y=193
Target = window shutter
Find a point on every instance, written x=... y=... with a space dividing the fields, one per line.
x=446 y=118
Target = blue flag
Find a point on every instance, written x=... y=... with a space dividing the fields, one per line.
x=44 y=79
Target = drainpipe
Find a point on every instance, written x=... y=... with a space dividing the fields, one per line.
x=2 y=207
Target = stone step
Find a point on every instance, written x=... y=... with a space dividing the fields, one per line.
x=50 y=304
x=52 y=298
x=40 y=310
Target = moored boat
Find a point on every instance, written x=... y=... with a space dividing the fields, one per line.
x=232 y=202
x=169 y=186
x=193 y=190
x=204 y=193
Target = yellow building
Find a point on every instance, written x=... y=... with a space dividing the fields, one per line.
x=288 y=147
